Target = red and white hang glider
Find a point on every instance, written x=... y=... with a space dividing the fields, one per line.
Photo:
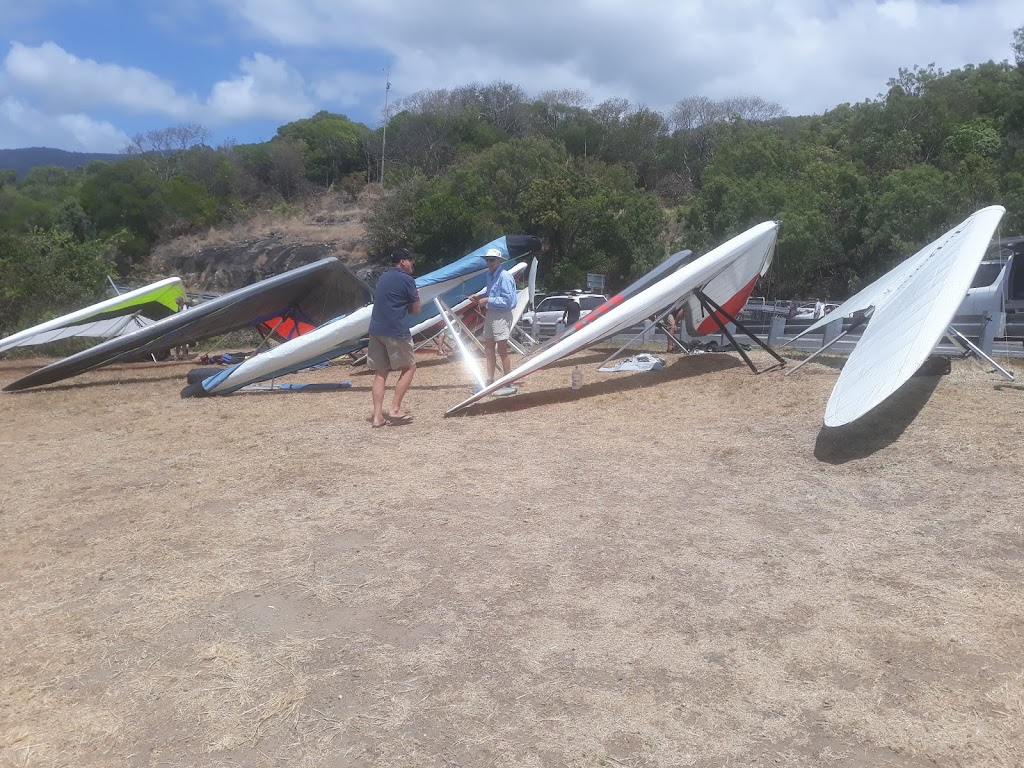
x=717 y=280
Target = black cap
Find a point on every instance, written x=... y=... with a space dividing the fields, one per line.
x=400 y=254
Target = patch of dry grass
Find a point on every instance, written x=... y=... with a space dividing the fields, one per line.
x=661 y=569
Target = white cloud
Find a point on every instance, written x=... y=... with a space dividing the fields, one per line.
x=63 y=82
x=24 y=126
x=346 y=89
x=808 y=55
x=267 y=88
x=59 y=90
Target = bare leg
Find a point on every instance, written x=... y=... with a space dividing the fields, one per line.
x=489 y=355
x=506 y=367
x=401 y=387
x=380 y=382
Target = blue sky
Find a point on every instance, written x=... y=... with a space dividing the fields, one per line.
x=86 y=75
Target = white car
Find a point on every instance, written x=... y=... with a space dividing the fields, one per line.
x=551 y=309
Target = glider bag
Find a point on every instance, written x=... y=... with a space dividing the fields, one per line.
x=195 y=379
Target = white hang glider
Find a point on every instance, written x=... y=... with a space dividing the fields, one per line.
x=343 y=334
x=113 y=317
x=749 y=253
x=910 y=309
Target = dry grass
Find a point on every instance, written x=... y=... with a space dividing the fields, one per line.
x=664 y=569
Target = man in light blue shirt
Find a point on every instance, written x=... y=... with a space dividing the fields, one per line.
x=499 y=301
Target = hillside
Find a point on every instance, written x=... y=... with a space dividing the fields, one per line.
x=226 y=258
x=21 y=161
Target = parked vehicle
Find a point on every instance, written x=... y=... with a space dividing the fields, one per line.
x=998 y=288
x=551 y=309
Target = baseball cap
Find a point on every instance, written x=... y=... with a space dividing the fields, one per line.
x=400 y=254
x=494 y=253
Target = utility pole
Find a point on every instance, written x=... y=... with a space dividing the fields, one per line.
x=384 y=136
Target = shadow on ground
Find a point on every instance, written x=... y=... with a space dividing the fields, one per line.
x=682 y=368
x=878 y=428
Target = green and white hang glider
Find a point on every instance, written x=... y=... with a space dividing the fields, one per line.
x=113 y=317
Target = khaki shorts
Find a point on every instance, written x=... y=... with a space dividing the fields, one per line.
x=388 y=354
x=498 y=325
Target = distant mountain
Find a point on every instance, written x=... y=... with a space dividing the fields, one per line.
x=24 y=160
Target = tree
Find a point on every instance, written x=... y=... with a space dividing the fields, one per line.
x=48 y=273
x=125 y=196
x=161 y=149
x=331 y=144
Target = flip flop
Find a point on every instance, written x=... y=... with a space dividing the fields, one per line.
x=385 y=423
x=407 y=419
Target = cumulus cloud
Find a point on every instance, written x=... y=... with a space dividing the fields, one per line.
x=49 y=94
x=267 y=88
x=24 y=126
x=64 y=82
x=808 y=55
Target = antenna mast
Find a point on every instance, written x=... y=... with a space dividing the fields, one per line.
x=384 y=137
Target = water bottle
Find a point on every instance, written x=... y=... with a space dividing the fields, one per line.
x=577 y=378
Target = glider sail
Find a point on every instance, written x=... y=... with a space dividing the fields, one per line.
x=298 y=292
x=914 y=305
x=755 y=246
x=113 y=317
x=344 y=334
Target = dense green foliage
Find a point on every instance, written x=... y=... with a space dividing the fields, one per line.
x=611 y=187
x=50 y=264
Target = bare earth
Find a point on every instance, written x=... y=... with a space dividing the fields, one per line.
x=662 y=569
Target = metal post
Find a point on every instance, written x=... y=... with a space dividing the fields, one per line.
x=384 y=135
x=987 y=338
x=776 y=328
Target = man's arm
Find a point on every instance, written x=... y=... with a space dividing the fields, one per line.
x=414 y=297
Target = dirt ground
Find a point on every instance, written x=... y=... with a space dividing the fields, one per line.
x=675 y=568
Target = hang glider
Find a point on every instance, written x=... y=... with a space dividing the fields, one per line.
x=911 y=308
x=345 y=334
x=112 y=317
x=753 y=248
x=313 y=292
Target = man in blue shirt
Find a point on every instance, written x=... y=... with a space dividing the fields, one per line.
x=395 y=297
x=499 y=301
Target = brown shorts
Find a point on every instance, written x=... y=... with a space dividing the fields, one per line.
x=388 y=354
